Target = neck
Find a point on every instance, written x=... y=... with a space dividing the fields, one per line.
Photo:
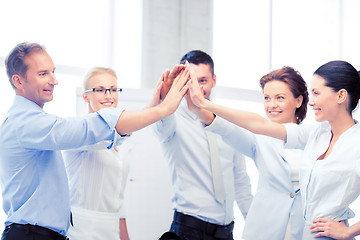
x=341 y=124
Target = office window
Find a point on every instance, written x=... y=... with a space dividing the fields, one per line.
x=78 y=35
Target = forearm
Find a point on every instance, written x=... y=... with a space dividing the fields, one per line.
x=206 y=117
x=248 y=120
x=130 y=121
x=354 y=230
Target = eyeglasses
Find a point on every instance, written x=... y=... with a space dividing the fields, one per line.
x=104 y=90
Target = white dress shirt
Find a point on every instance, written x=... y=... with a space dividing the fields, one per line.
x=277 y=200
x=97 y=180
x=186 y=151
x=328 y=186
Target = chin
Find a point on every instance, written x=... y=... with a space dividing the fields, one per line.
x=319 y=119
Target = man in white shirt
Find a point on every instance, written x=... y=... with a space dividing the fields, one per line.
x=198 y=213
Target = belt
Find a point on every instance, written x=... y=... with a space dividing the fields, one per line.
x=218 y=231
x=38 y=230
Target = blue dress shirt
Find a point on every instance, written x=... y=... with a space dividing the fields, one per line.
x=186 y=151
x=32 y=173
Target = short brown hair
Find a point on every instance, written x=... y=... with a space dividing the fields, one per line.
x=15 y=61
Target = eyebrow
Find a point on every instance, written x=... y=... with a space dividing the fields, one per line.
x=275 y=94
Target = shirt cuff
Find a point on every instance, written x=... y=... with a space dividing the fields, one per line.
x=215 y=125
x=111 y=117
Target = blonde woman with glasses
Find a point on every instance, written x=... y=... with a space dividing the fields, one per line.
x=97 y=175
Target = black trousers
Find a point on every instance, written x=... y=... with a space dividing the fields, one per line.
x=191 y=228
x=30 y=232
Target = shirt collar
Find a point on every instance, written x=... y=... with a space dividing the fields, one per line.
x=26 y=103
x=185 y=109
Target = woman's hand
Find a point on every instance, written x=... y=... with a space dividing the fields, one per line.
x=168 y=79
x=195 y=90
x=330 y=228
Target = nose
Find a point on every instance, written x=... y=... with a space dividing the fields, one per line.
x=273 y=103
x=53 y=80
x=108 y=90
x=311 y=102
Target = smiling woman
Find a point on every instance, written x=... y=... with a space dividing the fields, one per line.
x=101 y=89
x=101 y=196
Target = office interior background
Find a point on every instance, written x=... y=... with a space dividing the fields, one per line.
x=141 y=38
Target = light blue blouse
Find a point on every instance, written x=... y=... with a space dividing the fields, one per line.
x=32 y=172
x=276 y=201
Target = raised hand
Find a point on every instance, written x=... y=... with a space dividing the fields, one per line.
x=178 y=88
x=168 y=78
x=195 y=90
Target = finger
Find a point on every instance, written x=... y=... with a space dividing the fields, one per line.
x=182 y=78
x=318 y=229
x=159 y=86
x=166 y=75
x=192 y=72
x=323 y=220
x=175 y=71
x=319 y=234
x=185 y=88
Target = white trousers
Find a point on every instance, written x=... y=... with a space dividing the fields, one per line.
x=92 y=225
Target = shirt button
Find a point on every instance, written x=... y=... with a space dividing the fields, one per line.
x=292 y=195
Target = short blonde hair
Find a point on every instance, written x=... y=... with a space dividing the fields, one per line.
x=96 y=71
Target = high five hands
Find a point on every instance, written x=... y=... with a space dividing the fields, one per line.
x=182 y=77
x=174 y=82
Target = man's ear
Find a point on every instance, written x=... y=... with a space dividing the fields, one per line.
x=18 y=81
x=214 y=80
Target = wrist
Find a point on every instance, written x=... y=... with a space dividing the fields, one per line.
x=350 y=232
x=163 y=110
x=210 y=118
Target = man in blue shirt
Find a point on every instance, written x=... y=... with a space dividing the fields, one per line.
x=32 y=173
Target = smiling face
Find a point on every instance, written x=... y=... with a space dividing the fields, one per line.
x=38 y=83
x=279 y=102
x=97 y=101
x=323 y=100
x=205 y=78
